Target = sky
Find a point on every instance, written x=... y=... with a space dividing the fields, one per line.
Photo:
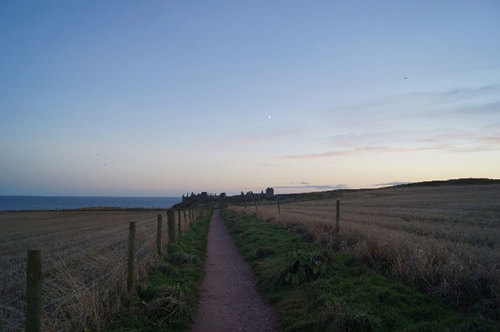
x=160 y=98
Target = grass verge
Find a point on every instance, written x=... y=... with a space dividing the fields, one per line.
x=168 y=299
x=313 y=289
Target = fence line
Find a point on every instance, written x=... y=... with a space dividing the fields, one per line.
x=34 y=291
x=158 y=235
x=34 y=275
x=337 y=217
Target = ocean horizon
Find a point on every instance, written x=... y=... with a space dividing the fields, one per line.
x=19 y=202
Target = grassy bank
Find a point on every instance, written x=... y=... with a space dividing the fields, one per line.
x=313 y=289
x=168 y=300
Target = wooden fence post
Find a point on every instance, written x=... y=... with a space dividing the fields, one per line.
x=245 y=204
x=179 y=223
x=255 y=206
x=34 y=291
x=279 y=210
x=131 y=257
x=185 y=219
x=338 y=215
x=158 y=236
x=172 y=234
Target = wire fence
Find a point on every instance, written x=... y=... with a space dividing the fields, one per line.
x=84 y=276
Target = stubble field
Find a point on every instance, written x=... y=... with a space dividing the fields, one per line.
x=444 y=241
x=84 y=263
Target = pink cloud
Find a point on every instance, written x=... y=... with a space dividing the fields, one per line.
x=363 y=150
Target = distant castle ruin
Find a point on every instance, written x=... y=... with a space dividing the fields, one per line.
x=204 y=197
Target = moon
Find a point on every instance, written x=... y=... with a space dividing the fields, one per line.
x=269 y=117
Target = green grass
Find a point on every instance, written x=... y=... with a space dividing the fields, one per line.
x=168 y=300
x=315 y=290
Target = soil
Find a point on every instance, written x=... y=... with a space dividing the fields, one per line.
x=229 y=300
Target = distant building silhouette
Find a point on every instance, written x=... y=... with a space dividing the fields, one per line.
x=207 y=198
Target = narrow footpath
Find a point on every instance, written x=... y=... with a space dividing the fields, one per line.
x=229 y=300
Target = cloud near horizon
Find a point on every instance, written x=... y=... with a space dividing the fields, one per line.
x=362 y=150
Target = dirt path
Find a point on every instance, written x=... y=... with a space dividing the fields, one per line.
x=229 y=300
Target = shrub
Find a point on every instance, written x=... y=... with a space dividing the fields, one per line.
x=180 y=258
x=166 y=269
x=262 y=252
x=304 y=267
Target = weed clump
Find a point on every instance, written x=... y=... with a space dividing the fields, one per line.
x=180 y=258
x=166 y=269
x=263 y=252
x=169 y=306
x=303 y=267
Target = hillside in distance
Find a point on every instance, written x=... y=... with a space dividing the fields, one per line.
x=432 y=183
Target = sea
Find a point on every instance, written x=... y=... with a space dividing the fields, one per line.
x=8 y=203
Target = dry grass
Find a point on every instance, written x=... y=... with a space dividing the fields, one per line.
x=444 y=241
x=84 y=264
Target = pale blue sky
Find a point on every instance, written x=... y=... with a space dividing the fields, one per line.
x=164 y=97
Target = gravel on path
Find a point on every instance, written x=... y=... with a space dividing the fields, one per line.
x=229 y=300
